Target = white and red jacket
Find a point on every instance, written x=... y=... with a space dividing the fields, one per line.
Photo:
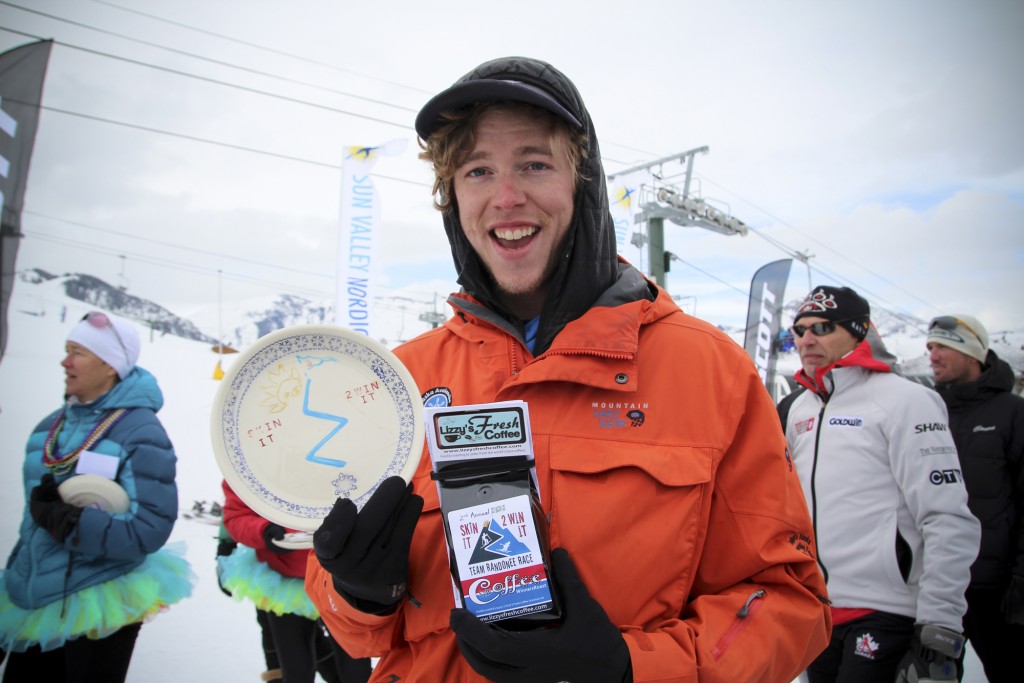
x=880 y=472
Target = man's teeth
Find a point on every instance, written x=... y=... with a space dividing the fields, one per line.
x=517 y=234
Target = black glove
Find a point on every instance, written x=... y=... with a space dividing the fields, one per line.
x=50 y=512
x=585 y=647
x=932 y=656
x=367 y=552
x=226 y=546
x=274 y=532
x=1013 y=601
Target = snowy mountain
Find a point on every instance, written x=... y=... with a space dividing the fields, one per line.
x=99 y=294
x=904 y=336
x=246 y=321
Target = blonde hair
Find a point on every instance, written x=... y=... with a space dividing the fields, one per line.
x=452 y=142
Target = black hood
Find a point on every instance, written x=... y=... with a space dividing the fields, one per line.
x=588 y=266
x=996 y=378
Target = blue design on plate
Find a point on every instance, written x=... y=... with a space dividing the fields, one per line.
x=292 y=345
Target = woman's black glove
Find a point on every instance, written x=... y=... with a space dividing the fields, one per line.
x=50 y=512
x=367 y=551
x=586 y=646
x=274 y=532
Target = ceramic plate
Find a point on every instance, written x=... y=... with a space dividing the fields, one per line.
x=92 y=490
x=296 y=540
x=311 y=413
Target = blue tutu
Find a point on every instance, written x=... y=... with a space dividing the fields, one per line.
x=164 y=578
x=245 y=577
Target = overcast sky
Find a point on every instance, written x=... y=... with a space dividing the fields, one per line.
x=182 y=138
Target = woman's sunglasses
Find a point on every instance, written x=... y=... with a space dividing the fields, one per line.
x=818 y=329
x=950 y=323
x=99 y=321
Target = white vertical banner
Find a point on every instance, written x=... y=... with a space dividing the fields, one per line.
x=358 y=236
x=624 y=201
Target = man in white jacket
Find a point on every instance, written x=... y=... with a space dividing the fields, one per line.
x=879 y=468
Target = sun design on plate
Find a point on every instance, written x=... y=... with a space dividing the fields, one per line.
x=285 y=385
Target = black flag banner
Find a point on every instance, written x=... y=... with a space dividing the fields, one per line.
x=22 y=70
x=764 y=318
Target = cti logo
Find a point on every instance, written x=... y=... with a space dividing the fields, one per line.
x=939 y=477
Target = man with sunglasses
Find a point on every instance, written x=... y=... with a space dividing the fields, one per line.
x=879 y=469
x=987 y=423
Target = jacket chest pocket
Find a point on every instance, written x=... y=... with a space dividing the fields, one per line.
x=632 y=516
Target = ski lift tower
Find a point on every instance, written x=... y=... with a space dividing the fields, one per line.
x=679 y=205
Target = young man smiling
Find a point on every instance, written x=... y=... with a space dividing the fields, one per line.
x=880 y=472
x=682 y=544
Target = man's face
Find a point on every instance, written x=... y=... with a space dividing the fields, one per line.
x=85 y=375
x=515 y=200
x=818 y=352
x=951 y=366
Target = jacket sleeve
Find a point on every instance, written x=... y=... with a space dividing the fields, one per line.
x=1015 y=462
x=148 y=476
x=363 y=635
x=758 y=609
x=927 y=470
x=244 y=525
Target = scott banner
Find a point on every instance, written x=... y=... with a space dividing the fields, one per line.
x=764 y=317
x=22 y=70
x=358 y=236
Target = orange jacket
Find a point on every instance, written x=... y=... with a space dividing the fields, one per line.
x=663 y=470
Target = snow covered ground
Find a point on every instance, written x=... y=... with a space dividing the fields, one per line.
x=208 y=637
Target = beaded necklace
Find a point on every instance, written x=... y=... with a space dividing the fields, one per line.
x=62 y=464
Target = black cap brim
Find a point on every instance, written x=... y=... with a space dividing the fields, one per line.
x=464 y=94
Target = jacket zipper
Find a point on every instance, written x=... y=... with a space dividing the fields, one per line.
x=752 y=604
x=814 y=487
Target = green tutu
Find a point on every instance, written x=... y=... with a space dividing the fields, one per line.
x=164 y=578
x=245 y=577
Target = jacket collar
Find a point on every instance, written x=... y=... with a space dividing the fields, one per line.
x=619 y=322
x=860 y=357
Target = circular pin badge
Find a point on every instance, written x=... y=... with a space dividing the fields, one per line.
x=311 y=413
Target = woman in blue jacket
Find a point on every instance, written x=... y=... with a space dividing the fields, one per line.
x=82 y=578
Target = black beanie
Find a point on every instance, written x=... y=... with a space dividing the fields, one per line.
x=841 y=305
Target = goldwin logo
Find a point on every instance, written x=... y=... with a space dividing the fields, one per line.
x=979 y=428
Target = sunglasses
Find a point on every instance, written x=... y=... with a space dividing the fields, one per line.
x=818 y=329
x=99 y=321
x=950 y=323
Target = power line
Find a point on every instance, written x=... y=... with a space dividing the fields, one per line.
x=182 y=265
x=778 y=244
x=713 y=277
x=228 y=84
x=162 y=243
x=791 y=251
x=193 y=55
x=256 y=91
x=246 y=43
